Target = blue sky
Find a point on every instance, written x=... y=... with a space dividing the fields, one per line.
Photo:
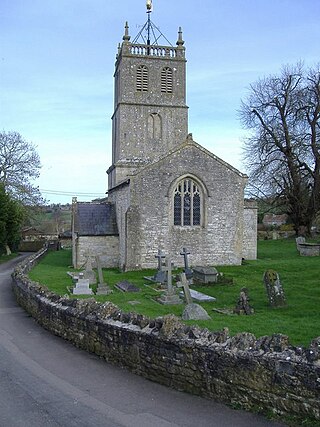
x=57 y=62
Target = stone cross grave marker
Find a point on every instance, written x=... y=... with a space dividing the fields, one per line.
x=187 y=269
x=103 y=288
x=160 y=276
x=192 y=311
x=274 y=289
x=169 y=296
x=185 y=285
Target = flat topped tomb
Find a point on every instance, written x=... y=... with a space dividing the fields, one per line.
x=205 y=275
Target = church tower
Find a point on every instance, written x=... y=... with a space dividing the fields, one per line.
x=150 y=113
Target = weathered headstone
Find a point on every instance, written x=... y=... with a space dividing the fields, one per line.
x=126 y=286
x=160 y=275
x=102 y=288
x=169 y=296
x=205 y=275
x=187 y=270
x=192 y=311
x=300 y=240
x=195 y=312
x=82 y=287
x=243 y=306
x=274 y=289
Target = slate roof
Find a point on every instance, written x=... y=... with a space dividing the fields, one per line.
x=96 y=219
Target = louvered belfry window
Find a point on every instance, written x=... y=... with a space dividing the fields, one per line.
x=142 y=78
x=166 y=80
x=187 y=203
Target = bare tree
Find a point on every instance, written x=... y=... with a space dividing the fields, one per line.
x=282 y=151
x=19 y=166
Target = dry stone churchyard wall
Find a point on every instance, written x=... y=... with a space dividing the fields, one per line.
x=265 y=373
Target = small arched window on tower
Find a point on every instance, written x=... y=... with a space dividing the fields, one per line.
x=142 y=79
x=187 y=203
x=154 y=126
x=166 y=80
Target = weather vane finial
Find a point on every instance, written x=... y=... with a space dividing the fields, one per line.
x=149 y=6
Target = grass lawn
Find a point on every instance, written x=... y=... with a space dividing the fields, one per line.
x=300 y=277
x=5 y=258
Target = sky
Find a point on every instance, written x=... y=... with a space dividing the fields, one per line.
x=57 y=62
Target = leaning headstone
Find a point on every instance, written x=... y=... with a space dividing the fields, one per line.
x=274 y=289
x=126 y=286
x=183 y=283
x=89 y=273
x=82 y=287
x=205 y=275
x=169 y=296
x=243 y=306
x=187 y=270
x=102 y=288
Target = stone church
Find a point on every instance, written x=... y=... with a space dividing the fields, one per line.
x=165 y=191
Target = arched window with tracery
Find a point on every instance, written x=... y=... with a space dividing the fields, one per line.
x=187 y=203
x=142 y=79
x=166 y=80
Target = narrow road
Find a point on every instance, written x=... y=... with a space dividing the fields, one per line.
x=47 y=382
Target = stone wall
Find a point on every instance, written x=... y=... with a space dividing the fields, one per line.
x=260 y=374
x=217 y=241
x=107 y=247
x=121 y=198
x=250 y=220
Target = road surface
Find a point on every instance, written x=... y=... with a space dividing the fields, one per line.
x=47 y=382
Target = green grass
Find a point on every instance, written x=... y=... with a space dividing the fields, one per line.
x=5 y=258
x=300 y=319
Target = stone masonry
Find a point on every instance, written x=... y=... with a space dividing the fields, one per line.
x=265 y=374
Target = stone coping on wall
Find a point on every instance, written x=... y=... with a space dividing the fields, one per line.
x=261 y=374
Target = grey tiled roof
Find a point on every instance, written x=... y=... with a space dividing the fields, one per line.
x=96 y=219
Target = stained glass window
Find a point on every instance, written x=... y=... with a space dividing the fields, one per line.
x=187 y=203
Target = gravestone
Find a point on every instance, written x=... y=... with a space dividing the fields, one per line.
x=89 y=273
x=195 y=312
x=103 y=288
x=300 y=240
x=169 y=296
x=274 y=289
x=205 y=275
x=183 y=283
x=126 y=286
x=187 y=270
x=82 y=287
x=243 y=306
x=160 y=275
x=192 y=311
